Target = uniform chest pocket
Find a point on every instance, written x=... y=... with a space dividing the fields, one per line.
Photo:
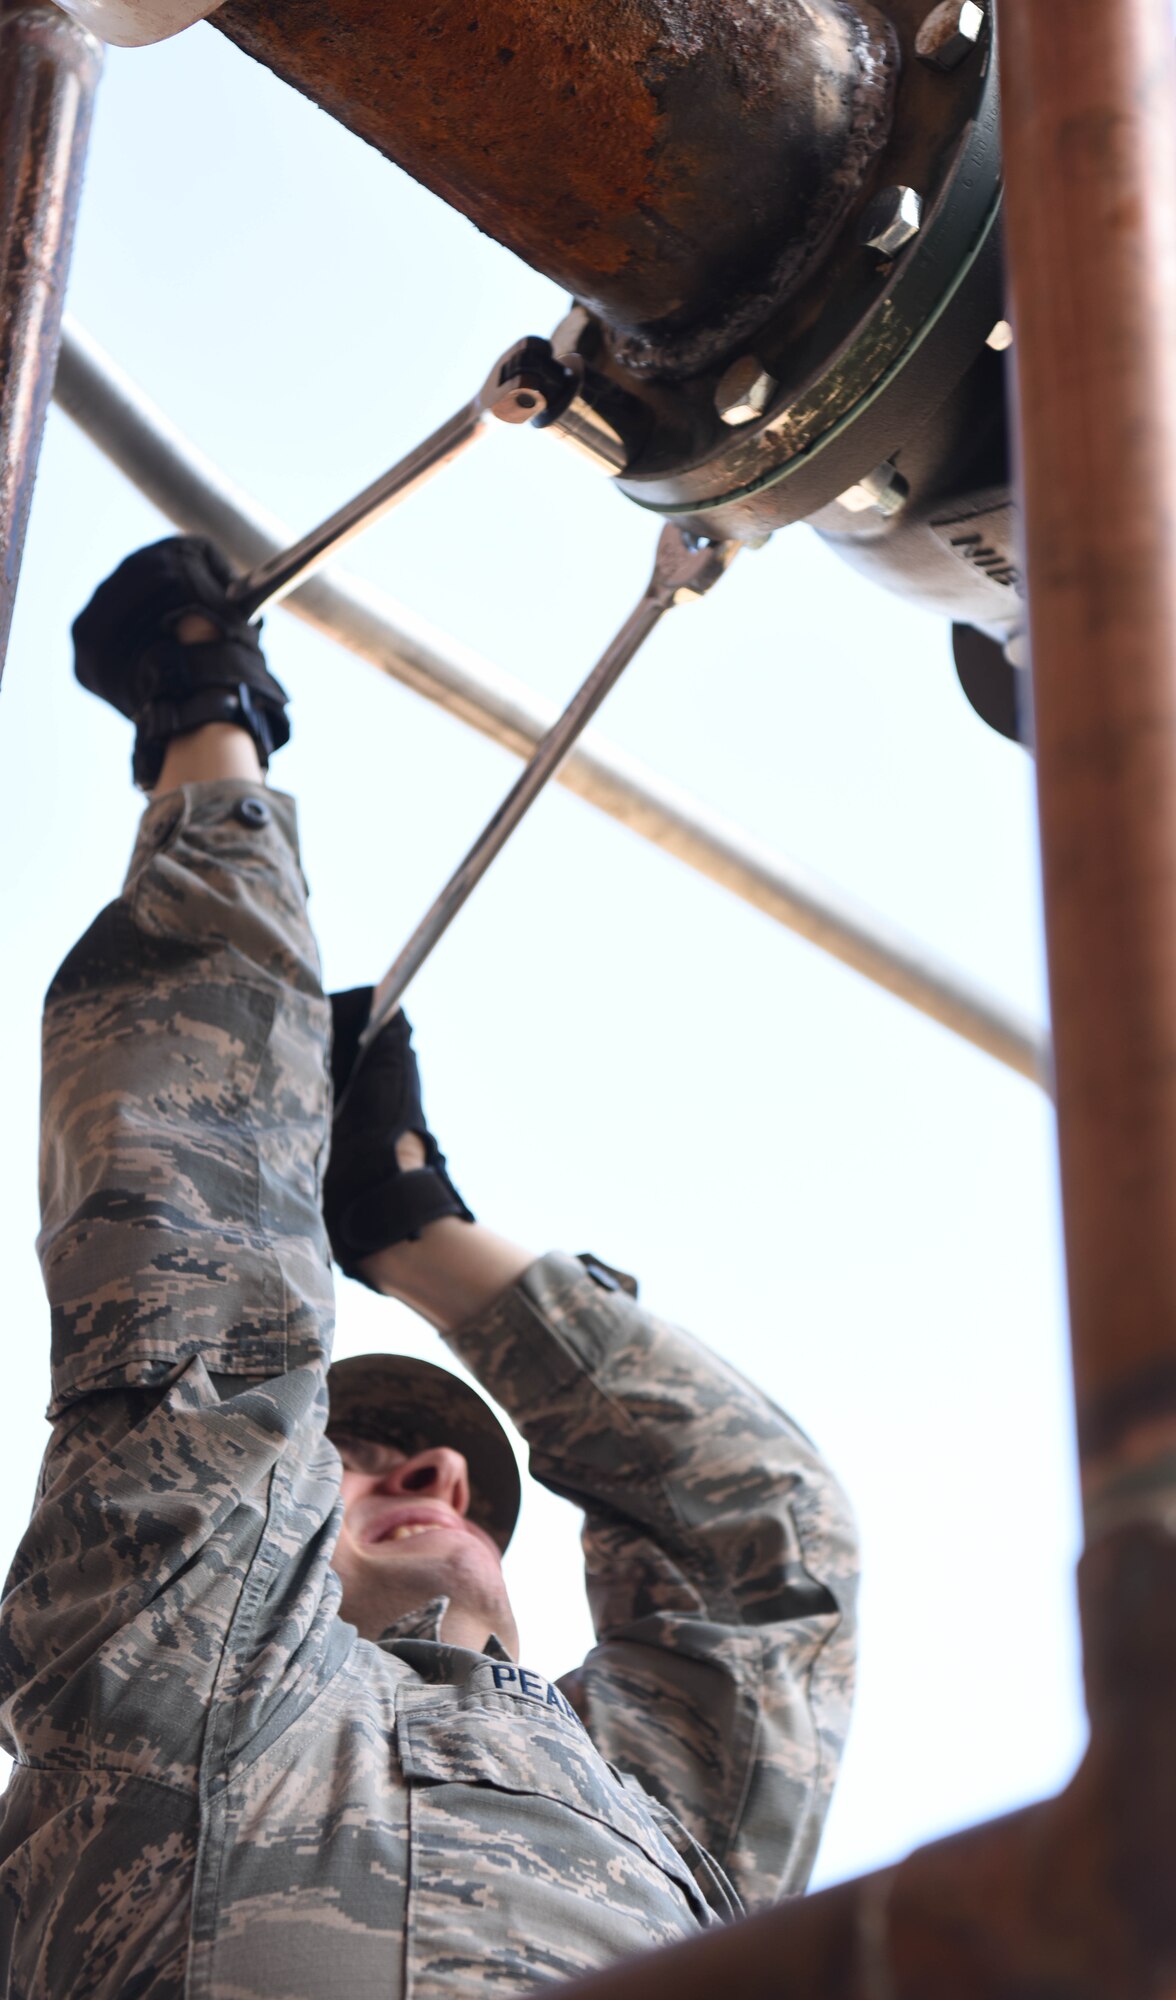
x=527 y=1850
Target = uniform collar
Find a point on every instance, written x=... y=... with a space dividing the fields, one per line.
x=425 y=1623
x=422 y=1623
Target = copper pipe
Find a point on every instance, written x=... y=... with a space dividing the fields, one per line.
x=654 y=159
x=49 y=67
x=1090 y=116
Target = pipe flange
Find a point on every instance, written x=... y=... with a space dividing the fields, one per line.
x=830 y=391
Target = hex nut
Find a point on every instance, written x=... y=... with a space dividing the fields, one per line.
x=744 y=391
x=1016 y=650
x=857 y=499
x=883 y=491
x=950 y=34
x=577 y=333
x=893 y=218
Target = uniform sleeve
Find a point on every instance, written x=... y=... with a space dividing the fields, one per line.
x=174 y=1572
x=721 y=1566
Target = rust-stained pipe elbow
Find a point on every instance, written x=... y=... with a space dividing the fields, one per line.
x=664 y=160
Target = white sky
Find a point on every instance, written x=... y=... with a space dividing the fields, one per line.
x=857 y=1209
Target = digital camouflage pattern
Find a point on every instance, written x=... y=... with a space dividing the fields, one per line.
x=220 y=1791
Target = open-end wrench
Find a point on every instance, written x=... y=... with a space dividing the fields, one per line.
x=684 y=569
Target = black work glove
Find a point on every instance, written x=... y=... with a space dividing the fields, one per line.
x=126 y=652
x=144 y=599
x=370 y=1201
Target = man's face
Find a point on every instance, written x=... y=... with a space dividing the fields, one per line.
x=407 y=1537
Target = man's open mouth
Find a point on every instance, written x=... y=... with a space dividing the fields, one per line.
x=399 y=1527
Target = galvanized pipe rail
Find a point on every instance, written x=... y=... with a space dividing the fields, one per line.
x=49 y=68
x=193 y=493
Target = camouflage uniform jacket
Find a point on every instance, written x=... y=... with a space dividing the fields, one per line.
x=220 y=1790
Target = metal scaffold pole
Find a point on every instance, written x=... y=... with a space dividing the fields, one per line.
x=1091 y=139
x=49 y=67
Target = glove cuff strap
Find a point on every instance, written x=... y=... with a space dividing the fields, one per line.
x=160 y=721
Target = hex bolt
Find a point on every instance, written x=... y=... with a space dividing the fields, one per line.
x=883 y=491
x=893 y=218
x=577 y=333
x=1016 y=650
x=744 y=391
x=950 y=34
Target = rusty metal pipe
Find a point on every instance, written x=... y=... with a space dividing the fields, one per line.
x=1090 y=125
x=654 y=158
x=49 y=67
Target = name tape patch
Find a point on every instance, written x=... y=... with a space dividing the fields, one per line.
x=520 y=1680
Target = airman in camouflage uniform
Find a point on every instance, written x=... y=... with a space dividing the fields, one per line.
x=221 y=1790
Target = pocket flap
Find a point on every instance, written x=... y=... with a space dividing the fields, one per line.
x=523 y=1747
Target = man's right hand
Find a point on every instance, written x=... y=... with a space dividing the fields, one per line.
x=144 y=599
x=162 y=642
